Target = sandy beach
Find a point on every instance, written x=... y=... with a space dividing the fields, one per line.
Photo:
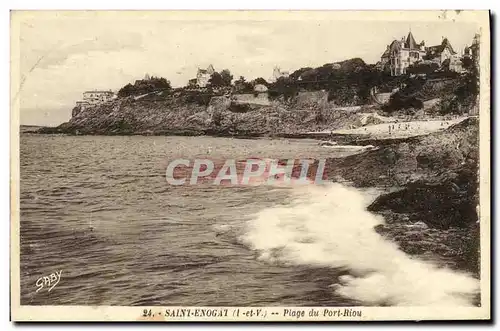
x=398 y=129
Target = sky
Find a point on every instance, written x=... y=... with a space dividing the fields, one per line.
x=62 y=57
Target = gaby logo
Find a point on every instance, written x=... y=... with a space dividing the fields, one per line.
x=253 y=171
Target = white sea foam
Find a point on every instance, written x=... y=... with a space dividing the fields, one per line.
x=330 y=226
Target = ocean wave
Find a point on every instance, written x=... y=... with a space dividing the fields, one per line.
x=329 y=225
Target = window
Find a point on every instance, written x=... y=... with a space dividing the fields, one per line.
x=414 y=55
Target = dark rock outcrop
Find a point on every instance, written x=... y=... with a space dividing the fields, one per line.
x=433 y=211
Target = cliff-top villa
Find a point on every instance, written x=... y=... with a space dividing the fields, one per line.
x=277 y=73
x=203 y=75
x=472 y=51
x=400 y=54
x=95 y=97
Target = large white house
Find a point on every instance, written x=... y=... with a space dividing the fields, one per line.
x=96 y=96
x=203 y=76
x=278 y=73
x=401 y=54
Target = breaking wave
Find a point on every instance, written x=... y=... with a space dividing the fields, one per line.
x=330 y=226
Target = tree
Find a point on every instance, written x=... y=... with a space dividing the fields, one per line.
x=467 y=63
x=399 y=101
x=220 y=79
x=445 y=65
x=298 y=73
x=216 y=80
x=144 y=86
x=126 y=90
x=226 y=76
x=241 y=85
x=260 y=80
x=466 y=90
x=283 y=87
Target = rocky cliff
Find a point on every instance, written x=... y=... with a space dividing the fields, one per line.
x=219 y=115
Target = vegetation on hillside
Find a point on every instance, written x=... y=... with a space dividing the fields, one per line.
x=465 y=93
x=241 y=85
x=144 y=86
x=348 y=82
x=220 y=79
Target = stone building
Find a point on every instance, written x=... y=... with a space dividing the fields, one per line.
x=444 y=54
x=400 y=54
x=472 y=51
x=203 y=76
x=278 y=73
x=91 y=98
x=96 y=96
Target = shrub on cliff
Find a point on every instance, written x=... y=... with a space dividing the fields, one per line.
x=349 y=82
x=463 y=96
x=422 y=68
x=221 y=79
x=259 y=81
x=283 y=87
x=201 y=98
x=144 y=86
x=343 y=95
x=398 y=101
x=242 y=86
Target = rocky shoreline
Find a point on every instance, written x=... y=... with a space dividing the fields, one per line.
x=432 y=193
x=430 y=210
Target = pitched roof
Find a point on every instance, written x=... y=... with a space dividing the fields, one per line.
x=446 y=43
x=395 y=44
x=410 y=42
x=438 y=49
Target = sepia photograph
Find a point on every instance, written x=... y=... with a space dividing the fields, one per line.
x=250 y=165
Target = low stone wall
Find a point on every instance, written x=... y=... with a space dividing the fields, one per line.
x=311 y=99
x=251 y=98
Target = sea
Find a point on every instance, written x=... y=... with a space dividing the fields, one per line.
x=99 y=211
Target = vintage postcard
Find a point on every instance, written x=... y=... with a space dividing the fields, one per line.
x=250 y=165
